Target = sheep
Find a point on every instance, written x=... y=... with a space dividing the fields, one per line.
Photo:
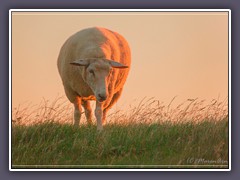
x=94 y=64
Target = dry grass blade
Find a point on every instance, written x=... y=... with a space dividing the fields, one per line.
x=192 y=110
x=147 y=111
x=59 y=110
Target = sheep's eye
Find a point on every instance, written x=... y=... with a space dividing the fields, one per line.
x=92 y=72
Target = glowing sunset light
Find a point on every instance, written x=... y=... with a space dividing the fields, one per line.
x=183 y=54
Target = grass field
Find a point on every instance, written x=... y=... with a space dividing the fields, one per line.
x=149 y=136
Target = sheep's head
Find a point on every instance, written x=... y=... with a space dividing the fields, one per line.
x=97 y=74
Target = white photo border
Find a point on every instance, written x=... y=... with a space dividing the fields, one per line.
x=58 y=167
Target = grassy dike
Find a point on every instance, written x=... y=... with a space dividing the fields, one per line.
x=139 y=145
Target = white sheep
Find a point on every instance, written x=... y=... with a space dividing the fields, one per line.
x=93 y=65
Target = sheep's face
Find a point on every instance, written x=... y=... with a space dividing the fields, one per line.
x=97 y=75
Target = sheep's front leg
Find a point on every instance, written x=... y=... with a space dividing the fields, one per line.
x=88 y=111
x=77 y=112
x=99 y=114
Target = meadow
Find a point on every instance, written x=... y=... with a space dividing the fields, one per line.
x=193 y=134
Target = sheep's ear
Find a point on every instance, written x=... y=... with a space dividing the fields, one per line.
x=115 y=64
x=80 y=62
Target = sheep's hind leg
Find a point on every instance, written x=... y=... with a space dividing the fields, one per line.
x=77 y=111
x=115 y=97
x=88 y=111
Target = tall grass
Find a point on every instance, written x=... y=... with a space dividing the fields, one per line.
x=192 y=110
x=147 y=111
x=58 y=110
x=193 y=134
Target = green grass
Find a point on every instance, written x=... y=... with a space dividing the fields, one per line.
x=139 y=145
x=193 y=134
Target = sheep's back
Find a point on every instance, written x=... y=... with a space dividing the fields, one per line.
x=94 y=43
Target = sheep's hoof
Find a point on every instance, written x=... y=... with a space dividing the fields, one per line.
x=76 y=125
x=90 y=123
x=100 y=129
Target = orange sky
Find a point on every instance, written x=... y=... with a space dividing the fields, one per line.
x=181 y=53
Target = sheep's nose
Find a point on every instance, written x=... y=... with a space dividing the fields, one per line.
x=102 y=97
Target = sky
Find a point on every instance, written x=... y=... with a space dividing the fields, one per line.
x=183 y=54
